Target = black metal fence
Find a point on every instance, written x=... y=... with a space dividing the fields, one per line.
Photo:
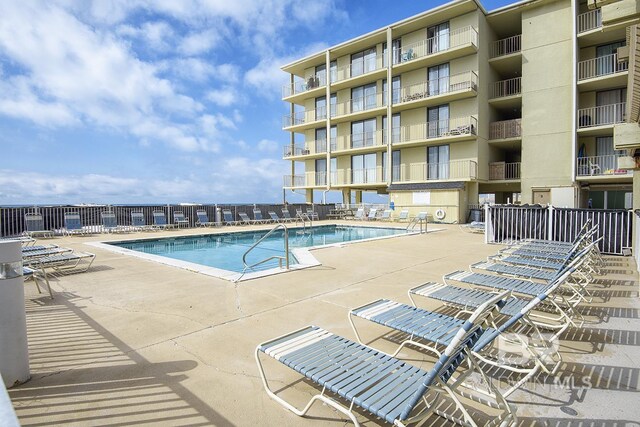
x=507 y=223
x=12 y=218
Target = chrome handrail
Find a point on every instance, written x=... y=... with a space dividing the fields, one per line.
x=418 y=220
x=284 y=258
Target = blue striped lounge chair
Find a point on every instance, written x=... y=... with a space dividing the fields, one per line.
x=34 y=225
x=227 y=217
x=110 y=223
x=384 y=386
x=73 y=224
x=139 y=223
x=274 y=217
x=43 y=252
x=313 y=215
x=180 y=220
x=244 y=219
x=372 y=214
x=203 y=219
x=68 y=262
x=286 y=215
x=160 y=220
x=403 y=216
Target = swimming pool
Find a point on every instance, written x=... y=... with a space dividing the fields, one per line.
x=221 y=254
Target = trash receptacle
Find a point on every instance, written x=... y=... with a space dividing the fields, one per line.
x=475 y=215
x=218 y=216
x=14 y=352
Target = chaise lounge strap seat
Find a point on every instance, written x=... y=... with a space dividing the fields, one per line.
x=557 y=256
x=520 y=286
x=521 y=271
x=530 y=262
x=44 y=252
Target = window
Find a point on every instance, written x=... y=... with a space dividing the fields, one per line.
x=363 y=62
x=395 y=52
x=395 y=128
x=321 y=171
x=333 y=71
x=438 y=38
x=437 y=121
x=606 y=63
x=395 y=94
x=363 y=168
x=363 y=98
x=333 y=170
x=321 y=139
x=610 y=106
x=363 y=133
x=333 y=104
x=438 y=162
x=320 y=76
x=438 y=78
x=321 y=108
x=395 y=165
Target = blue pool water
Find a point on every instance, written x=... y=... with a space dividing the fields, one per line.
x=225 y=251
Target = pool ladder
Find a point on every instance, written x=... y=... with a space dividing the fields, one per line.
x=280 y=258
x=301 y=216
x=420 y=219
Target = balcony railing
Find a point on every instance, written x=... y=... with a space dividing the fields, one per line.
x=438 y=129
x=308 y=147
x=505 y=129
x=505 y=88
x=601 y=66
x=357 y=176
x=589 y=21
x=602 y=115
x=441 y=43
x=294 y=181
x=453 y=170
x=360 y=140
x=506 y=46
x=357 y=68
x=307 y=116
x=599 y=165
x=502 y=171
x=315 y=81
x=357 y=105
x=457 y=82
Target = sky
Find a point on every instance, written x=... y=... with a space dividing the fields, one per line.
x=159 y=101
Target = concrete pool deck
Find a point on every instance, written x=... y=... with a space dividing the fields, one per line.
x=136 y=342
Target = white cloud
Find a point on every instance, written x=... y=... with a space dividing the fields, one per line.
x=198 y=43
x=267 y=145
x=155 y=35
x=223 y=97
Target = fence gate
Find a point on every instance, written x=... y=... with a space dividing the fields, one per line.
x=507 y=224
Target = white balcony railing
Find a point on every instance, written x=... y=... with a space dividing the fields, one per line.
x=357 y=176
x=308 y=147
x=457 y=82
x=360 y=140
x=505 y=88
x=502 y=171
x=291 y=181
x=599 y=165
x=506 y=46
x=505 y=129
x=602 y=115
x=357 y=68
x=357 y=105
x=451 y=40
x=299 y=86
x=589 y=21
x=453 y=170
x=437 y=129
x=306 y=116
x=601 y=66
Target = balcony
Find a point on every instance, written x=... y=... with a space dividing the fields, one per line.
x=589 y=21
x=298 y=87
x=357 y=72
x=309 y=148
x=432 y=92
x=358 y=107
x=294 y=181
x=458 y=42
x=305 y=119
x=505 y=129
x=506 y=93
x=462 y=128
x=602 y=73
x=502 y=171
x=600 y=166
x=598 y=121
x=505 y=47
x=360 y=141
x=358 y=177
x=455 y=170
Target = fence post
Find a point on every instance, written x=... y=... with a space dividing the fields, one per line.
x=487 y=222
x=550 y=223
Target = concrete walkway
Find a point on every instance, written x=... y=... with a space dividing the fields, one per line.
x=136 y=342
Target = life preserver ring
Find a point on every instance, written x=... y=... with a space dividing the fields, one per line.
x=440 y=214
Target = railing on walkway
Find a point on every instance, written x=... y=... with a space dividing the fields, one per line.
x=315 y=81
x=440 y=43
x=454 y=170
x=12 y=218
x=449 y=84
x=505 y=129
x=589 y=21
x=508 y=224
x=599 y=165
x=602 y=115
x=601 y=66
x=505 y=46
